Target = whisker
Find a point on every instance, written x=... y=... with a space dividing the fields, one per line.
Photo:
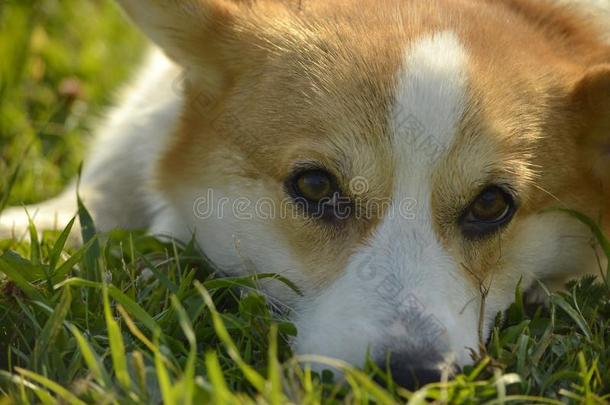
x=549 y=193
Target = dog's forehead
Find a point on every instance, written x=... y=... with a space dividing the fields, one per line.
x=395 y=108
x=428 y=89
x=365 y=74
x=343 y=90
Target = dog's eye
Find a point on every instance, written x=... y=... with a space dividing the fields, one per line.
x=491 y=209
x=317 y=193
x=491 y=205
x=314 y=186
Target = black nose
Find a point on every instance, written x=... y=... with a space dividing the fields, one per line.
x=413 y=378
x=410 y=373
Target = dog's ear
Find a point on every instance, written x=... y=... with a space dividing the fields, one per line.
x=591 y=97
x=178 y=25
x=200 y=35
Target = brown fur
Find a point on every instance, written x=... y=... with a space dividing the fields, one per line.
x=333 y=65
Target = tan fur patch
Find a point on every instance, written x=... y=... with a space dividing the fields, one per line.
x=316 y=83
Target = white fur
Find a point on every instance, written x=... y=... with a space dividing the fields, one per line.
x=361 y=310
x=230 y=229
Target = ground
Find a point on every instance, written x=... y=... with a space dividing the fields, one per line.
x=129 y=319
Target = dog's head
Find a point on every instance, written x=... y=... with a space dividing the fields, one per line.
x=394 y=159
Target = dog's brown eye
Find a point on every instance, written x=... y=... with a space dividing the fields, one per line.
x=317 y=193
x=315 y=185
x=491 y=209
x=490 y=205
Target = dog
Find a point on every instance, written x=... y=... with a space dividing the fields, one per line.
x=398 y=160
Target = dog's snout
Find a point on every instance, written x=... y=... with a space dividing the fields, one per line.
x=413 y=378
x=410 y=372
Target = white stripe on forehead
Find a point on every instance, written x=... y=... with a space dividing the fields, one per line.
x=430 y=101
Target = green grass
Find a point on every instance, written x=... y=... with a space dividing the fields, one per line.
x=56 y=75
x=129 y=319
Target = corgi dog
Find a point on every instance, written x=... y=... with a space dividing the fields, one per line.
x=398 y=160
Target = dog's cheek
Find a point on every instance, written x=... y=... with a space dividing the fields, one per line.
x=238 y=229
x=550 y=247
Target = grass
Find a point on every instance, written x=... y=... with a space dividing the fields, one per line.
x=129 y=319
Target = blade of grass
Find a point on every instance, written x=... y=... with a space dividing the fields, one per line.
x=134 y=329
x=574 y=314
x=15 y=276
x=88 y=234
x=28 y=270
x=51 y=329
x=274 y=382
x=167 y=283
x=593 y=226
x=249 y=281
x=35 y=256
x=188 y=379
x=117 y=346
x=11 y=181
x=362 y=379
x=220 y=392
x=251 y=375
x=52 y=386
x=133 y=307
x=90 y=357
x=59 y=245
x=163 y=377
x=69 y=264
